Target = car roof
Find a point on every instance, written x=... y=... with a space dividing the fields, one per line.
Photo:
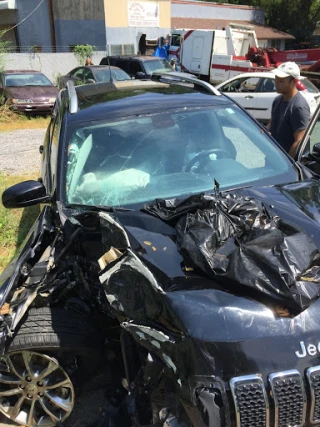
x=140 y=58
x=21 y=71
x=102 y=67
x=267 y=74
x=110 y=100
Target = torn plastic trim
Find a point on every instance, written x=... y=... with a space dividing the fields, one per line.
x=23 y=306
x=130 y=259
x=107 y=219
x=35 y=238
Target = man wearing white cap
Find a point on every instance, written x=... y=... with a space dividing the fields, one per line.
x=290 y=112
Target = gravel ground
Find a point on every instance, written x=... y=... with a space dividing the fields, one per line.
x=19 y=151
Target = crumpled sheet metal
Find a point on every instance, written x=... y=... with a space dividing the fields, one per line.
x=235 y=239
x=131 y=288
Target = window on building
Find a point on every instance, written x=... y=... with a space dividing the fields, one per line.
x=122 y=49
x=276 y=44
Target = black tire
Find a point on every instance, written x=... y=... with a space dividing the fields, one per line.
x=67 y=345
x=53 y=329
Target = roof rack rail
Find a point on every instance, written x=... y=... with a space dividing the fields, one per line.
x=175 y=77
x=73 y=97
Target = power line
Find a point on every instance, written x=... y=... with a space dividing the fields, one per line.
x=9 y=29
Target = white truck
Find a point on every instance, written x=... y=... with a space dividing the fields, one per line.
x=214 y=55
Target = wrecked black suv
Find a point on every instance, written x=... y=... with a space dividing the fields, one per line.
x=177 y=247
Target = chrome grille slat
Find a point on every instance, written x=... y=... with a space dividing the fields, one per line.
x=251 y=402
x=313 y=377
x=289 y=398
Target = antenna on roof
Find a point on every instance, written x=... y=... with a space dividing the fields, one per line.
x=111 y=79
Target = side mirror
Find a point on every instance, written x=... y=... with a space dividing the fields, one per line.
x=90 y=81
x=140 y=75
x=27 y=193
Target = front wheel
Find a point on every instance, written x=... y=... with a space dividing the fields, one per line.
x=42 y=365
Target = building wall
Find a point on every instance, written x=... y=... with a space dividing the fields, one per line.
x=118 y=31
x=51 y=64
x=79 y=22
x=35 y=30
x=209 y=11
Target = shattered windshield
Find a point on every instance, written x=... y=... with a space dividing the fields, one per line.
x=138 y=159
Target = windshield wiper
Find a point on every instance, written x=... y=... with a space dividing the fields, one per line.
x=99 y=208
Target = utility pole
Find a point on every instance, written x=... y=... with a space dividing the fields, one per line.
x=52 y=27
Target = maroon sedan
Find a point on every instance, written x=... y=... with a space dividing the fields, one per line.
x=27 y=91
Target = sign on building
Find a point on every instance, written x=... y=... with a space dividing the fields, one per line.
x=143 y=14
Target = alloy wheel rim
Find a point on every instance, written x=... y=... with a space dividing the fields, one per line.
x=34 y=389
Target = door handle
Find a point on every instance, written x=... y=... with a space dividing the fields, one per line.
x=248 y=97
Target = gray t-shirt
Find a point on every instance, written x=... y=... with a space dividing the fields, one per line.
x=288 y=117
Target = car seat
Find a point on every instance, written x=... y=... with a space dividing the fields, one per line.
x=204 y=132
x=268 y=86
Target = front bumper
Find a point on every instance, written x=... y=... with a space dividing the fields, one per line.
x=40 y=108
x=282 y=399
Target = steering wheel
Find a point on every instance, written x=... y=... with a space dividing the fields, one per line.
x=203 y=157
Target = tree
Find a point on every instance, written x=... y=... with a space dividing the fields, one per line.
x=296 y=17
x=83 y=51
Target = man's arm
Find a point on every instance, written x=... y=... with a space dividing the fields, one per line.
x=299 y=122
x=297 y=138
x=268 y=126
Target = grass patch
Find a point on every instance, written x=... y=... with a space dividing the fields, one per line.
x=14 y=223
x=9 y=120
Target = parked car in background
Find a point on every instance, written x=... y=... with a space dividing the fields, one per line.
x=27 y=91
x=103 y=277
x=93 y=74
x=256 y=91
x=141 y=67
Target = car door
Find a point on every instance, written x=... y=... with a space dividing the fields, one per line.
x=124 y=64
x=136 y=70
x=264 y=95
x=243 y=90
x=308 y=152
x=2 y=99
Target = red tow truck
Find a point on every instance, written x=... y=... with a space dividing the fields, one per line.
x=217 y=55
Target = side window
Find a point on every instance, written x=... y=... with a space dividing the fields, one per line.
x=123 y=64
x=54 y=145
x=315 y=134
x=247 y=151
x=136 y=67
x=87 y=74
x=78 y=74
x=267 y=85
x=175 y=40
x=249 y=84
x=231 y=86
